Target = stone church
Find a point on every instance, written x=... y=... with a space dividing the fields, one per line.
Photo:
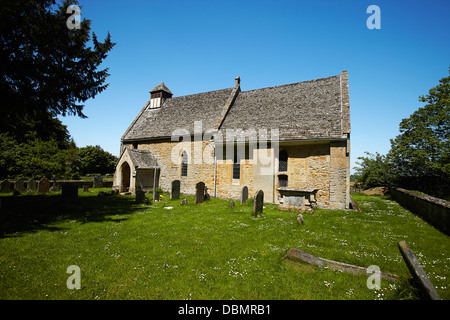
x=292 y=141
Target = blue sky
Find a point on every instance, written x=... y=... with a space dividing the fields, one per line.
x=198 y=46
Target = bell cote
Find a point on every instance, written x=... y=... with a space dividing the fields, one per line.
x=158 y=95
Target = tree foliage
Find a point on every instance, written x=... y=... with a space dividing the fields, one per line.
x=46 y=68
x=96 y=160
x=37 y=158
x=372 y=171
x=419 y=157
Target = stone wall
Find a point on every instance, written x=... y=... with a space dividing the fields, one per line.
x=321 y=165
x=339 y=171
x=433 y=210
x=199 y=168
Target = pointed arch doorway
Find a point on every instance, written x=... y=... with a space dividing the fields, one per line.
x=125 y=177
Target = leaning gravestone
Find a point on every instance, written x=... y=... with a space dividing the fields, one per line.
x=258 y=203
x=175 y=190
x=199 y=192
x=43 y=185
x=98 y=181
x=19 y=185
x=5 y=186
x=244 y=194
x=31 y=185
x=69 y=192
x=417 y=272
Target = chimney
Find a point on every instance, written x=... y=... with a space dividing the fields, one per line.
x=237 y=81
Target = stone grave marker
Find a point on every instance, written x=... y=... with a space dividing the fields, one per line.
x=43 y=185
x=69 y=192
x=140 y=196
x=98 y=181
x=244 y=194
x=258 y=203
x=31 y=185
x=175 y=190
x=417 y=272
x=199 y=192
x=54 y=186
x=5 y=186
x=19 y=185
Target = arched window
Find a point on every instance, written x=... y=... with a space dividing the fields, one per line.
x=236 y=167
x=283 y=161
x=184 y=164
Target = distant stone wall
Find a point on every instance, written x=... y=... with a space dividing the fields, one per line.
x=60 y=183
x=433 y=210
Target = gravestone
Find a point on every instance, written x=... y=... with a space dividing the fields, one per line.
x=244 y=194
x=140 y=196
x=31 y=185
x=175 y=190
x=43 y=185
x=19 y=185
x=199 y=192
x=417 y=272
x=5 y=186
x=258 y=203
x=98 y=181
x=54 y=186
x=85 y=188
x=69 y=192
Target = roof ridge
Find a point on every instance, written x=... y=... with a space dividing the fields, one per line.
x=193 y=94
x=291 y=84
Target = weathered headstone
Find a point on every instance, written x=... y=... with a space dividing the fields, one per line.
x=417 y=272
x=199 y=192
x=244 y=194
x=258 y=203
x=140 y=196
x=5 y=186
x=31 y=185
x=43 y=185
x=175 y=190
x=19 y=185
x=54 y=186
x=98 y=181
x=69 y=192
x=85 y=188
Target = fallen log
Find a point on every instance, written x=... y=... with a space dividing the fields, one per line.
x=298 y=255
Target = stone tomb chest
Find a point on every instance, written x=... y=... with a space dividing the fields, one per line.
x=297 y=198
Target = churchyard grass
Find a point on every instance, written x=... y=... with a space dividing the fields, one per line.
x=206 y=251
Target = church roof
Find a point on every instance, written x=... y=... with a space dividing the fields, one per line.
x=300 y=111
x=178 y=113
x=142 y=159
x=308 y=110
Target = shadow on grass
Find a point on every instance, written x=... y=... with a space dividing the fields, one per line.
x=30 y=213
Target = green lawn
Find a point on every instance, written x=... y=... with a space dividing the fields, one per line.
x=206 y=251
